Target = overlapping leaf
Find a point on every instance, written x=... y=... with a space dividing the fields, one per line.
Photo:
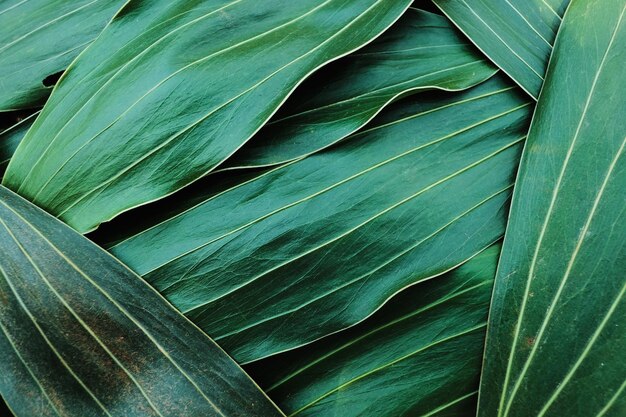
x=282 y=259
x=11 y=137
x=420 y=355
x=39 y=38
x=556 y=342
x=517 y=35
x=421 y=51
x=172 y=88
x=81 y=335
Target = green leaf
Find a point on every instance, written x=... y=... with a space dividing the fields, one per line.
x=11 y=137
x=39 y=39
x=280 y=260
x=556 y=343
x=421 y=51
x=420 y=355
x=169 y=90
x=517 y=35
x=81 y=335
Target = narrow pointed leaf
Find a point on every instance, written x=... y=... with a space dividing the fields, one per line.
x=278 y=261
x=517 y=35
x=556 y=339
x=421 y=51
x=166 y=93
x=420 y=355
x=81 y=335
x=39 y=38
x=11 y=137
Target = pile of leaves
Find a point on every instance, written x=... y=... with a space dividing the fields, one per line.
x=313 y=208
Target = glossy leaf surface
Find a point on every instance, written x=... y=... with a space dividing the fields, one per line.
x=280 y=260
x=420 y=355
x=421 y=51
x=556 y=339
x=81 y=335
x=39 y=38
x=172 y=88
x=517 y=35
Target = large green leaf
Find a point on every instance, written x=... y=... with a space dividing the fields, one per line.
x=556 y=343
x=81 y=335
x=517 y=35
x=39 y=39
x=280 y=260
x=421 y=51
x=11 y=137
x=172 y=88
x=420 y=355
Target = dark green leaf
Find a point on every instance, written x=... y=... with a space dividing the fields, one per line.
x=517 y=35
x=172 y=88
x=556 y=342
x=420 y=355
x=11 y=137
x=39 y=38
x=280 y=260
x=421 y=51
x=81 y=335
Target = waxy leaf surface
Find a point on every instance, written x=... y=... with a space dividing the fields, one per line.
x=282 y=259
x=172 y=88
x=81 y=335
x=517 y=35
x=420 y=355
x=421 y=51
x=39 y=38
x=556 y=339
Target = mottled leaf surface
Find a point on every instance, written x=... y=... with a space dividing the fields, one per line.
x=517 y=35
x=172 y=88
x=556 y=339
x=317 y=245
x=420 y=355
x=81 y=335
x=39 y=38
x=421 y=51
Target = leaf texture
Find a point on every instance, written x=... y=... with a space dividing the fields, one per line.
x=11 y=137
x=81 y=335
x=556 y=343
x=40 y=38
x=517 y=35
x=166 y=93
x=420 y=355
x=280 y=260
x=420 y=51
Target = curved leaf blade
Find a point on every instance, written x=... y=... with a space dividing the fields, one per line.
x=419 y=355
x=277 y=261
x=421 y=51
x=555 y=344
x=81 y=335
x=517 y=35
x=40 y=38
x=177 y=104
